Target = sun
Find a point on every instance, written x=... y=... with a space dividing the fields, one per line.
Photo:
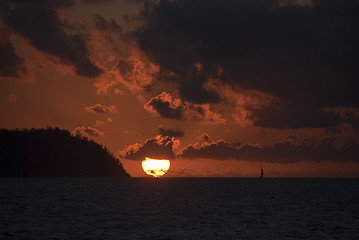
x=155 y=167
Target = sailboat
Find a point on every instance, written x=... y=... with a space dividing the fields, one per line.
x=261 y=176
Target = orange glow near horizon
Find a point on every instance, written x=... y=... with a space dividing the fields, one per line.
x=155 y=167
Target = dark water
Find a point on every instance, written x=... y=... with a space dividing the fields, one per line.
x=178 y=208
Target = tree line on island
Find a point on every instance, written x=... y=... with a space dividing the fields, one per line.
x=53 y=152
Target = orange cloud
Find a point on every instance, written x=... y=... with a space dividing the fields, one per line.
x=99 y=108
x=89 y=131
x=157 y=147
x=99 y=123
x=242 y=100
x=135 y=72
x=346 y=113
x=164 y=106
x=285 y=151
x=53 y=38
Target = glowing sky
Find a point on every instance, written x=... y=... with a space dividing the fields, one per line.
x=218 y=87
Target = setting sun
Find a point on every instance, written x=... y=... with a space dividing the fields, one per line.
x=155 y=167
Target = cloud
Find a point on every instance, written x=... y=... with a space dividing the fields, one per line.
x=99 y=123
x=38 y=21
x=158 y=147
x=284 y=151
x=192 y=85
x=214 y=150
x=136 y=72
x=346 y=114
x=204 y=138
x=256 y=108
x=102 y=24
x=164 y=106
x=170 y=132
x=11 y=64
x=302 y=3
x=89 y=131
x=124 y=63
x=106 y=37
x=99 y=108
x=301 y=52
x=90 y=2
x=287 y=116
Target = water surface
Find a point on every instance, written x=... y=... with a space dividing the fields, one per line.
x=179 y=208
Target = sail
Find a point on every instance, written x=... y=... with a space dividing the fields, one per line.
x=261 y=172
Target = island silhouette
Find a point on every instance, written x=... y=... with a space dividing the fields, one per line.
x=53 y=152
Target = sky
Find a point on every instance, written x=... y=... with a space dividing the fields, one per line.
x=217 y=87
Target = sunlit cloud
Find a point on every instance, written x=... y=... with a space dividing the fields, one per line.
x=285 y=62
x=51 y=36
x=158 y=147
x=346 y=114
x=99 y=123
x=99 y=108
x=87 y=131
x=11 y=64
x=135 y=73
x=241 y=73
x=164 y=106
x=95 y=1
x=286 y=150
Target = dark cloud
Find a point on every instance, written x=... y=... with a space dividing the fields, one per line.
x=95 y=1
x=304 y=52
x=331 y=131
x=191 y=86
x=292 y=116
x=99 y=108
x=89 y=131
x=103 y=24
x=285 y=151
x=347 y=115
x=204 y=138
x=164 y=106
x=11 y=65
x=171 y=132
x=38 y=22
x=216 y=150
x=137 y=71
x=158 y=148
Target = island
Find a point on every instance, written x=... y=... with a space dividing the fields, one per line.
x=53 y=152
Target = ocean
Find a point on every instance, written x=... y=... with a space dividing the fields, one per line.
x=179 y=208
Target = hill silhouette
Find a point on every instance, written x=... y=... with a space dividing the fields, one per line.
x=53 y=152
